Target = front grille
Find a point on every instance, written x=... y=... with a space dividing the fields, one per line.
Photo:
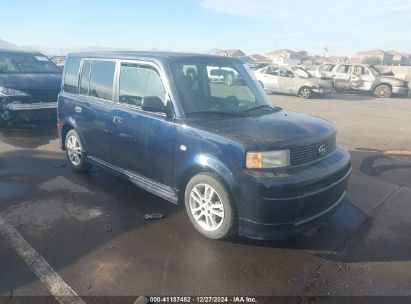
x=44 y=95
x=323 y=183
x=311 y=152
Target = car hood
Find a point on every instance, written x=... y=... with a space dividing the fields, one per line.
x=31 y=81
x=276 y=130
x=390 y=79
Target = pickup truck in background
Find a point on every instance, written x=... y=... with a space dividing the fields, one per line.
x=363 y=78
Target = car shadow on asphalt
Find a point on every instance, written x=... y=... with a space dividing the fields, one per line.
x=28 y=136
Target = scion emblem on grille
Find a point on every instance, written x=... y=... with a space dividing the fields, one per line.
x=322 y=150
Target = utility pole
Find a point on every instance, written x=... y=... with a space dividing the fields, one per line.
x=325 y=51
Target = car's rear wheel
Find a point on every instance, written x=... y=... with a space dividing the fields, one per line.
x=75 y=152
x=383 y=91
x=209 y=207
x=305 y=92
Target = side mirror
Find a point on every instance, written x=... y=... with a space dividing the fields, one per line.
x=154 y=104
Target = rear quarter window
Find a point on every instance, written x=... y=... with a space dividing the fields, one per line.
x=71 y=75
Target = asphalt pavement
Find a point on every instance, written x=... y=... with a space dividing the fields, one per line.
x=88 y=230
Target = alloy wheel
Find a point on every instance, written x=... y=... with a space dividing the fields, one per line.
x=74 y=150
x=206 y=207
x=305 y=93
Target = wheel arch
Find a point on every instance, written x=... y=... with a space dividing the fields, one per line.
x=382 y=83
x=64 y=130
x=67 y=125
x=213 y=167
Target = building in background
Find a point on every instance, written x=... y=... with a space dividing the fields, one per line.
x=375 y=57
x=399 y=58
x=230 y=53
x=285 y=56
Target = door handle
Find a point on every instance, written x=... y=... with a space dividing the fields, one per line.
x=78 y=109
x=117 y=119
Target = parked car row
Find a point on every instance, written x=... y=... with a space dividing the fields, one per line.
x=30 y=82
x=329 y=78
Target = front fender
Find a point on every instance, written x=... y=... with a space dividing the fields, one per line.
x=207 y=163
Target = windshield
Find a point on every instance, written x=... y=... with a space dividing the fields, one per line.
x=374 y=70
x=218 y=88
x=26 y=63
x=302 y=72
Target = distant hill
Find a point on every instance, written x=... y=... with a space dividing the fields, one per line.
x=65 y=51
x=7 y=45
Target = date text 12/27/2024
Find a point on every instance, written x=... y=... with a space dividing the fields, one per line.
x=200 y=299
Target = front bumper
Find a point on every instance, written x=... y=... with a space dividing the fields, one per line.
x=30 y=106
x=293 y=201
x=323 y=91
x=400 y=90
x=29 y=112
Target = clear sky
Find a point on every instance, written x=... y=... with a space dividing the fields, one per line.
x=199 y=25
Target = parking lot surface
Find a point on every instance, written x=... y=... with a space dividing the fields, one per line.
x=90 y=227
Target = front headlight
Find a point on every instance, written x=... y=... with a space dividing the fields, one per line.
x=11 y=92
x=268 y=159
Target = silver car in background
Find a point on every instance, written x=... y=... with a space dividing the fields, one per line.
x=293 y=80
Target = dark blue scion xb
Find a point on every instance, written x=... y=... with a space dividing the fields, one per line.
x=199 y=129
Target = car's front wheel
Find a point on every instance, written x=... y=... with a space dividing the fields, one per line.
x=75 y=152
x=383 y=91
x=209 y=207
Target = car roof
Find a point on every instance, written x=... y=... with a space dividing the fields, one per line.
x=157 y=56
x=16 y=51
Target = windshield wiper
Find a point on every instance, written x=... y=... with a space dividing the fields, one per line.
x=262 y=107
x=213 y=113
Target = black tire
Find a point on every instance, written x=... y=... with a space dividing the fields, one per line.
x=229 y=79
x=305 y=92
x=383 y=91
x=81 y=164
x=229 y=220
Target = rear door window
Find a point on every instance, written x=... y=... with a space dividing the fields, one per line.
x=360 y=70
x=101 y=79
x=71 y=75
